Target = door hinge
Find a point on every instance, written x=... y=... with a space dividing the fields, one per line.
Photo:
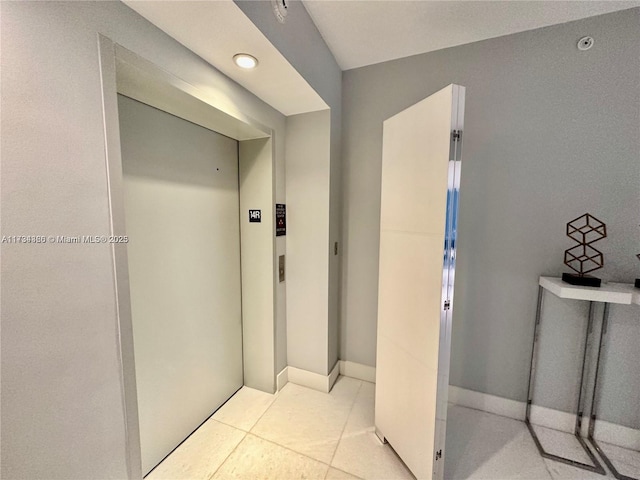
x=438 y=454
x=447 y=304
x=456 y=135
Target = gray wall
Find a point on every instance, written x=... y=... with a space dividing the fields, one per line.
x=550 y=133
x=300 y=42
x=62 y=399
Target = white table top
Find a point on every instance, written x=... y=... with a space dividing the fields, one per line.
x=622 y=293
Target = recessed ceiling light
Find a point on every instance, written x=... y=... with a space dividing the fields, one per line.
x=244 y=60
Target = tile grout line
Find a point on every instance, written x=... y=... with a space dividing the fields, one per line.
x=246 y=433
x=275 y=399
x=184 y=441
x=288 y=449
x=254 y=424
x=353 y=404
x=302 y=454
x=344 y=471
x=227 y=457
x=250 y=432
x=229 y=425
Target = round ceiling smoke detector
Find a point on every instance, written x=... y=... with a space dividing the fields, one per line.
x=280 y=9
x=585 y=43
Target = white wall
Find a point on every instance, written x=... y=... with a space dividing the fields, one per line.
x=307 y=267
x=61 y=373
x=259 y=343
x=300 y=42
x=550 y=133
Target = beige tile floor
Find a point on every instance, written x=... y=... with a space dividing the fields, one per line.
x=300 y=433
x=485 y=446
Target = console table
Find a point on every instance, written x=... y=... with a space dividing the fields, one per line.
x=608 y=293
x=635 y=299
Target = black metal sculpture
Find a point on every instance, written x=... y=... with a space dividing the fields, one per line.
x=584 y=258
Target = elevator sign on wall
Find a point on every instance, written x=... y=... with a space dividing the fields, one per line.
x=255 y=216
x=281 y=219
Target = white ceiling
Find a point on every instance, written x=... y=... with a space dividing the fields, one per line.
x=216 y=31
x=358 y=32
x=363 y=32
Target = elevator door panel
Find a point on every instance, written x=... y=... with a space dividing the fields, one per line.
x=182 y=220
x=420 y=185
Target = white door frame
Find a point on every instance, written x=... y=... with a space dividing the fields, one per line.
x=123 y=71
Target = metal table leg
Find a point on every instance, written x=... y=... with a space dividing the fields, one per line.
x=595 y=398
x=596 y=467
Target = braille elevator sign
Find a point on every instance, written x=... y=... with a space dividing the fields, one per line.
x=281 y=219
x=255 y=216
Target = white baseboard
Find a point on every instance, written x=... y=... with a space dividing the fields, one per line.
x=617 y=435
x=487 y=403
x=357 y=370
x=282 y=379
x=546 y=417
x=556 y=419
x=322 y=383
x=333 y=376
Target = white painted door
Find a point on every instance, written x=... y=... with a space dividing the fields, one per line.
x=182 y=220
x=420 y=187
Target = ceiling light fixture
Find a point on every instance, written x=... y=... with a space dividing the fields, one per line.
x=246 y=61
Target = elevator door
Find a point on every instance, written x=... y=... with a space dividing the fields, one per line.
x=182 y=220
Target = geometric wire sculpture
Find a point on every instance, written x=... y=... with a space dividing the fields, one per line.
x=583 y=258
